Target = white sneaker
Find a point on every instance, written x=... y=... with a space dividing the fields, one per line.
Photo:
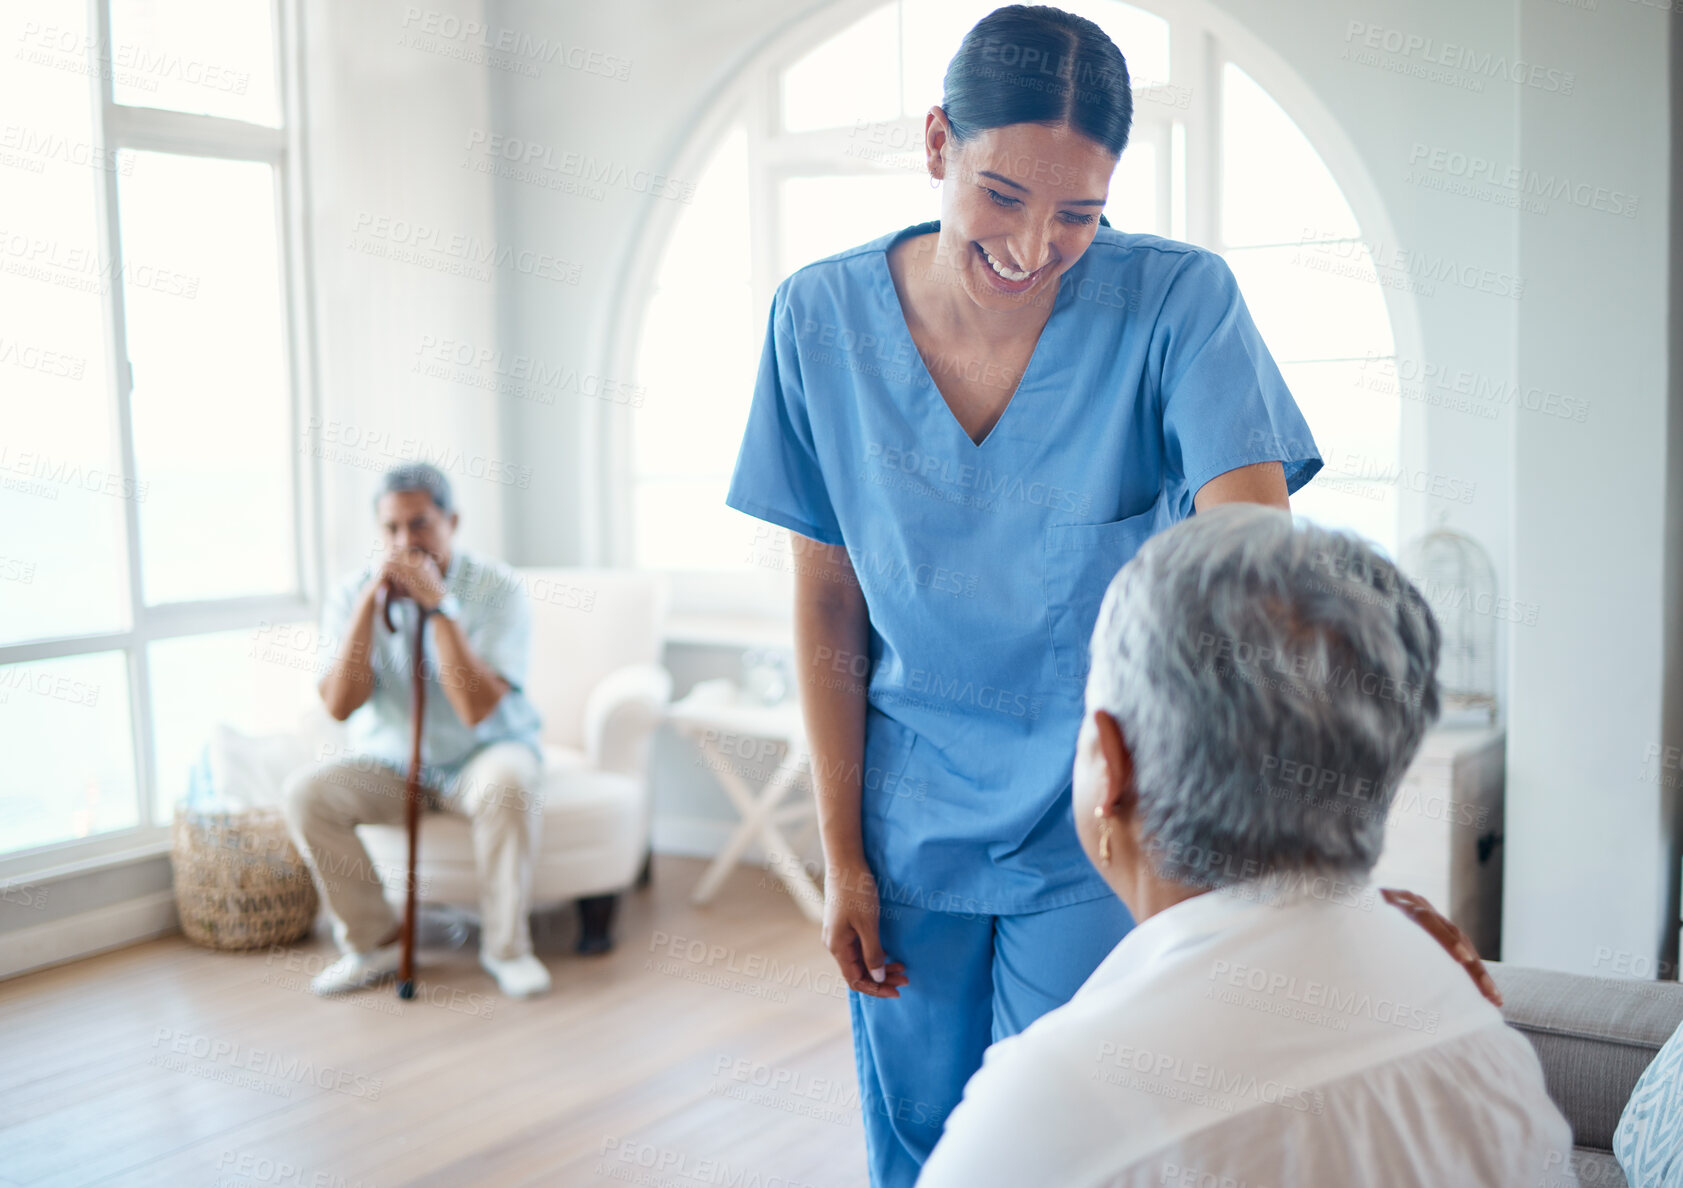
x=518 y=977
x=358 y=969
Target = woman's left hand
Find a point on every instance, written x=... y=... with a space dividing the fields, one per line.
x=1445 y=932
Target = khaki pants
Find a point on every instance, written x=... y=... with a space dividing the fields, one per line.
x=496 y=790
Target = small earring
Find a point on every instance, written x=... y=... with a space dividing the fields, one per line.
x=1104 y=834
x=934 y=182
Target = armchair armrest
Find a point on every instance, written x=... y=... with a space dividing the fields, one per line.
x=620 y=716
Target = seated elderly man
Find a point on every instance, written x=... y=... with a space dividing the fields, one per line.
x=1270 y=1022
x=480 y=753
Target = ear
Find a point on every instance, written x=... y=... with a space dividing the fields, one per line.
x=1120 y=797
x=935 y=137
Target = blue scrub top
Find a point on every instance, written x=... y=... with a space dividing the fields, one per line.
x=983 y=566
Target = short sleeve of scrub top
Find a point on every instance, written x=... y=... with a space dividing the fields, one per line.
x=782 y=484
x=983 y=565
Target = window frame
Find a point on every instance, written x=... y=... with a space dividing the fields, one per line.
x=1202 y=38
x=117 y=127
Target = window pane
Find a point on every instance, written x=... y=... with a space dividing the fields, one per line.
x=210 y=57
x=933 y=31
x=212 y=416
x=1336 y=500
x=684 y=524
x=1350 y=406
x=258 y=681
x=64 y=728
x=1133 y=191
x=1315 y=301
x=62 y=553
x=852 y=76
x=698 y=360
x=824 y=215
x=709 y=243
x=1143 y=37
x=1274 y=186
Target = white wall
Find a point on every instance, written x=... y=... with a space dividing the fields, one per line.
x=1590 y=862
x=382 y=137
x=1571 y=512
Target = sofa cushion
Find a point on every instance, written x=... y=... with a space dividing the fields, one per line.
x=1593 y=1036
x=591 y=842
x=1649 y=1141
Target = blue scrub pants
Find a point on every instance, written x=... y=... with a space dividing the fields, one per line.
x=974 y=979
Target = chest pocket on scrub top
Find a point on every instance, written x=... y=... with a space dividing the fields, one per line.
x=1080 y=561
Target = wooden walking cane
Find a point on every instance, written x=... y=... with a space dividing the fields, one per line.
x=411 y=791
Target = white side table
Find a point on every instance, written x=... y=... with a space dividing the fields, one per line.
x=719 y=723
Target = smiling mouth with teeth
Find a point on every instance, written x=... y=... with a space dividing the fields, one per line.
x=1010 y=274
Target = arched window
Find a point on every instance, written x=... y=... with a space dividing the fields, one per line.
x=819 y=147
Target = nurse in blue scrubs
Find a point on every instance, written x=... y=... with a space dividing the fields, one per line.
x=970 y=425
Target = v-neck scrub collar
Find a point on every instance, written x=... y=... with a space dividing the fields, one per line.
x=983 y=566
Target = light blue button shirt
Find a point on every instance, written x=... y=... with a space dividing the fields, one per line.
x=496 y=619
x=983 y=566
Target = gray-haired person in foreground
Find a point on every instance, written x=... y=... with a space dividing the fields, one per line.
x=1257 y=690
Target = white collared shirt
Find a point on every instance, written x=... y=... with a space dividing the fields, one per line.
x=1229 y=1042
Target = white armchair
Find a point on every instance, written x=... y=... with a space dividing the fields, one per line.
x=595 y=677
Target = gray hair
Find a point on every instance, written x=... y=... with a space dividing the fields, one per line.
x=1272 y=680
x=418 y=476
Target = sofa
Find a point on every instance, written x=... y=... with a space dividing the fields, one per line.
x=596 y=680
x=1594 y=1036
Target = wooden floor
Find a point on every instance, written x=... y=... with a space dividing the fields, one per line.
x=711 y=1047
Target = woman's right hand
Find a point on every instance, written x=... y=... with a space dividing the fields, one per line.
x=851 y=909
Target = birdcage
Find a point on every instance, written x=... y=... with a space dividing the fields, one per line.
x=1454 y=573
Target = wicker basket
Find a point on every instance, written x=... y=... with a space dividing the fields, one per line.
x=240 y=883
